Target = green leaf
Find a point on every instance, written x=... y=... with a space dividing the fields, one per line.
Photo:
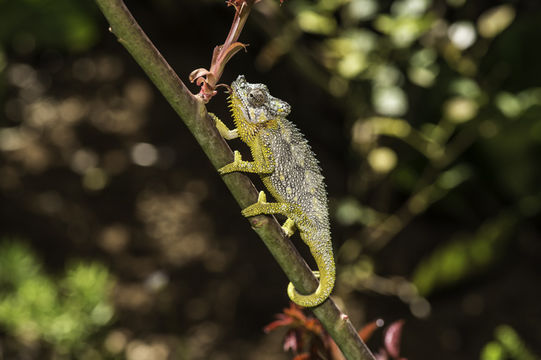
x=33 y=306
x=464 y=256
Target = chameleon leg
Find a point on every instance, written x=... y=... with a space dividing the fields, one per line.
x=289 y=227
x=245 y=166
x=263 y=207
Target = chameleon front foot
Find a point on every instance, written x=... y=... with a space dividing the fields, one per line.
x=223 y=129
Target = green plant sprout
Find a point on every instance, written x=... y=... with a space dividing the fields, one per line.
x=63 y=312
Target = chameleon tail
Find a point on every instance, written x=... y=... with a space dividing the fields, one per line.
x=325 y=262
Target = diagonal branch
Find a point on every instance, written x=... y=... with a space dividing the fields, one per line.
x=194 y=114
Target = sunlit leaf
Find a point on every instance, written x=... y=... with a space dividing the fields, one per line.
x=509 y=104
x=317 y=23
x=492 y=351
x=462 y=34
x=358 y=10
x=72 y=25
x=460 y=110
x=495 y=20
x=507 y=344
x=390 y=101
x=512 y=343
x=382 y=159
x=404 y=30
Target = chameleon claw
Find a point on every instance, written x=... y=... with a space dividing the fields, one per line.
x=224 y=170
x=237 y=157
x=289 y=227
x=262 y=198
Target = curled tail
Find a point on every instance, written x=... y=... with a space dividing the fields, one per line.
x=325 y=263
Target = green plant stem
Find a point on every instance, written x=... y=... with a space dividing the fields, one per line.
x=194 y=114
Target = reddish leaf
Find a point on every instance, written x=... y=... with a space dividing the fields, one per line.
x=282 y=321
x=303 y=331
x=334 y=351
x=392 y=338
x=228 y=53
x=314 y=326
x=304 y=356
x=295 y=312
x=366 y=332
x=215 y=53
x=290 y=341
x=197 y=73
x=381 y=355
x=291 y=317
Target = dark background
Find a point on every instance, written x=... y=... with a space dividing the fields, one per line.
x=437 y=225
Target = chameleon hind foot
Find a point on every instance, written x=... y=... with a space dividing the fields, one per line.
x=264 y=207
x=255 y=209
x=234 y=166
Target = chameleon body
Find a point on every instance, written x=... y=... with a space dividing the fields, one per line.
x=289 y=171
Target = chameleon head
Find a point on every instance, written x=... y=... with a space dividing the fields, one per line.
x=254 y=102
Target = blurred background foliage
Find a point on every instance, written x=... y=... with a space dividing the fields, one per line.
x=61 y=24
x=424 y=115
x=64 y=312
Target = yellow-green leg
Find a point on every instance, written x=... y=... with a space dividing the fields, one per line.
x=263 y=207
x=245 y=166
x=289 y=227
x=223 y=129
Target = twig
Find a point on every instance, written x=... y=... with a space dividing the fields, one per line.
x=193 y=112
x=208 y=79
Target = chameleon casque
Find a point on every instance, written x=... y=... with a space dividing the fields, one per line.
x=290 y=172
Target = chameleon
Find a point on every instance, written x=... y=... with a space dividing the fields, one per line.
x=290 y=172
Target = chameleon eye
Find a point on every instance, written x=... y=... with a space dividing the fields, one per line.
x=257 y=97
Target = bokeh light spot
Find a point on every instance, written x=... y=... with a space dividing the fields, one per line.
x=144 y=154
x=382 y=159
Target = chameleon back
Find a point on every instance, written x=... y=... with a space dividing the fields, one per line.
x=297 y=177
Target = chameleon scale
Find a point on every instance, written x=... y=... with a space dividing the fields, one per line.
x=290 y=172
